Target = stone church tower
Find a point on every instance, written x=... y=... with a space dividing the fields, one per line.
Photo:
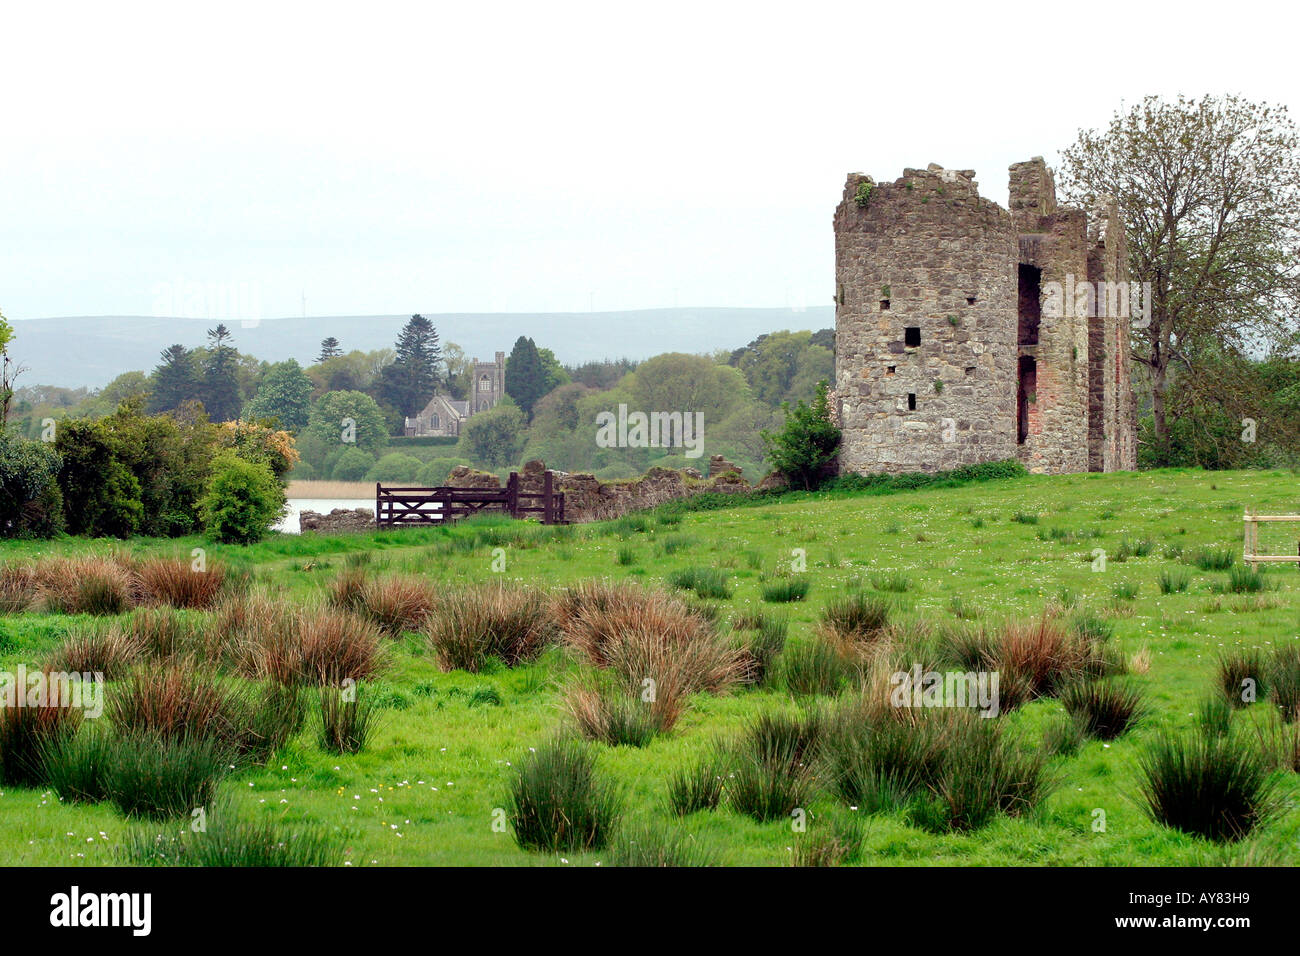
x=968 y=333
x=489 y=384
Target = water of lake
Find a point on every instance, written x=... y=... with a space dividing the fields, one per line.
x=289 y=522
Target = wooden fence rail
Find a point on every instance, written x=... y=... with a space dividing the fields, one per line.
x=396 y=506
x=1250 y=547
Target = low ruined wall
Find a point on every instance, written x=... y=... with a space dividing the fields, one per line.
x=340 y=519
x=586 y=498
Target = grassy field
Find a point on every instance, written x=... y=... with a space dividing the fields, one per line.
x=427 y=788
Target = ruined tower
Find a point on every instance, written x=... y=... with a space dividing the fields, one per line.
x=959 y=335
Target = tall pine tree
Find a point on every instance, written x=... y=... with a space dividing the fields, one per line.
x=410 y=381
x=329 y=348
x=175 y=380
x=220 y=394
x=525 y=375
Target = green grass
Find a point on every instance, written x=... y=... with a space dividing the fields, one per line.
x=426 y=788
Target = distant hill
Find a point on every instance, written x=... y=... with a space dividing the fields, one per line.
x=92 y=351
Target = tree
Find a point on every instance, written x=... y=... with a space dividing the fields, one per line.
x=1210 y=194
x=221 y=393
x=329 y=348
x=31 y=505
x=175 y=380
x=340 y=421
x=807 y=443
x=410 y=381
x=525 y=375
x=784 y=366
x=458 y=371
x=9 y=371
x=284 y=395
x=493 y=438
x=125 y=387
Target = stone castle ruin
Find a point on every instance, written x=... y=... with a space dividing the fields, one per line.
x=969 y=333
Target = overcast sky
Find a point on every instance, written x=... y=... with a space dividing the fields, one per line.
x=391 y=158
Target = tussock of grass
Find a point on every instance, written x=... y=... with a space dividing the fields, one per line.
x=559 y=800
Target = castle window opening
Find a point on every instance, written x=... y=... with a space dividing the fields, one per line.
x=1028 y=382
x=912 y=336
x=884 y=305
x=1031 y=288
x=911 y=401
x=890 y=370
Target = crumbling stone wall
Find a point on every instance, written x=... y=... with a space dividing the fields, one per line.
x=339 y=519
x=924 y=253
x=949 y=349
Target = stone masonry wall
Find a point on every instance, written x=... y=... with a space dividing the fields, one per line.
x=1055 y=243
x=925 y=253
x=957 y=336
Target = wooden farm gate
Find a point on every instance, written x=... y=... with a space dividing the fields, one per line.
x=396 y=506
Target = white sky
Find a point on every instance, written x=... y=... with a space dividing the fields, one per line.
x=392 y=158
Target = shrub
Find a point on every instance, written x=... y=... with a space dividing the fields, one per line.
x=641 y=634
x=177 y=583
x=26 y=732
x=1103 y=710
x=346 y=720
x=243 y=500
x=1213 y=559
x=110 y=652
x=1174 y=581
x=1214 y=716
x=1242 y=675
x=1284 y=681
x=230 y=840
x=698 y=787
x=89 y=585
x=1063 y=738
x=659 y=846
x=773 y=765
x=1244 y=580
x=396 y=604
x=31 y=504
x=766 y=645
x=154 y=776
x=352 y=465
x=877 y=760
x=20 y=586
x=1207 y=785
x=559 y=801
x=77 y=765
x=1035 y=658
x=834 y=844
x=606 y=712
x=806 y=444
x=317 y=647
x=785 y=590
x=708 y=583
x=474 y=624
x=815 y=667
x=177 y=700
x=101 y=496
x=395 y=468
x=895 y=581
x=856 y=619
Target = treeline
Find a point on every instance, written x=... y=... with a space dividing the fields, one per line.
x=131 y=473
x=346 y=409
